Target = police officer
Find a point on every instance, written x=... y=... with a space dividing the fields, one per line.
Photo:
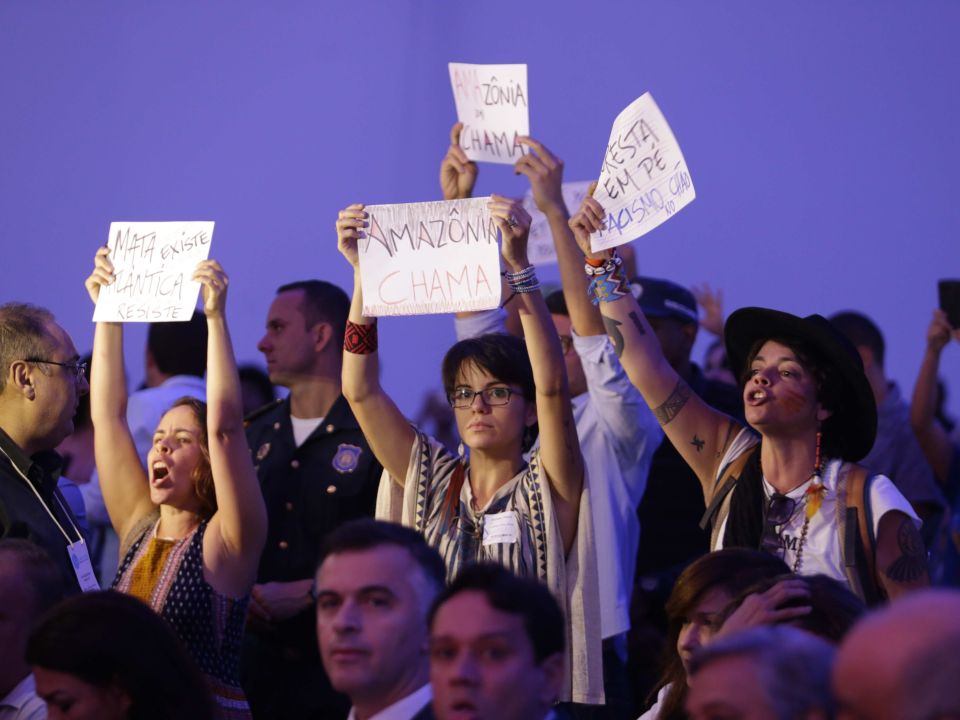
x=316 y=472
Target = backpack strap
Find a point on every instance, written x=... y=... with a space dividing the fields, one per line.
x=858 y=541
x=726 y=481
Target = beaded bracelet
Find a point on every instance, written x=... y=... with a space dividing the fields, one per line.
x=523 y=281
x=593 y=267
x=360 y=339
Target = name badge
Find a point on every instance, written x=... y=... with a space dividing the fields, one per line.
x=501 y=528
x=82 y=567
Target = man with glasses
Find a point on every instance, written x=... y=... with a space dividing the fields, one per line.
x=41 y=382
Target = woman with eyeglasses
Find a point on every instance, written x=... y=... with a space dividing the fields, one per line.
x=785 y=482
x=193 y=523
x=488 y=503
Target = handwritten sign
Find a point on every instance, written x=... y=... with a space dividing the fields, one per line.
x=153 y=262
x=540 y=247
x=644 y=179
x=430 y=257
x=492 y=105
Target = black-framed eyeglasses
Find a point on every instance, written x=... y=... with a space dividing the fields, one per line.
x=80 y=369
x=779 y=511
x=566 y=343
x=463 y=397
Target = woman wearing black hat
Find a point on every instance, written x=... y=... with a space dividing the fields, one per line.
x=794 y=490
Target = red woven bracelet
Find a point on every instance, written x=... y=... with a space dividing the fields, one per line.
x=360 y=339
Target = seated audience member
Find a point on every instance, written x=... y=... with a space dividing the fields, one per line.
x=901 y=662
x=942 y=454
x=193 y=524
x=41 y=382
x=30 y=584
x=767 y=672
x=491 y=505
x=817 y=604
x=618 y=433
x=496 y=647
x=374 y=588
x=107 y=656
x=699 y=596
x=895 y=452
x=811 y=414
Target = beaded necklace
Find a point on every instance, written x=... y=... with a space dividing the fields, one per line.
x=813 y=499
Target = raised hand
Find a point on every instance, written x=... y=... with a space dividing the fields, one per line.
x=586 y=221
x=214 y=280
x=514 y=223
x=545 y=172
x=712 y=303
x=102 y=273
x=940 y=330
x=458 y=174
x=350 y=223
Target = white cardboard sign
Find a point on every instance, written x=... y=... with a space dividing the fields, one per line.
x=540 y=245
x=153 y=262
x=430 y=257
x=492 y=105
x=644 y=179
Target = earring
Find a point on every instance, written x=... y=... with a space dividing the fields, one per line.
x=461 y=451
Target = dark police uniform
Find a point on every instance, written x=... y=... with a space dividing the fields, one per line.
x=308 y=490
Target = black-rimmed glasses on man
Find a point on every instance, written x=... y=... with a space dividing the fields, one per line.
x=80 y=369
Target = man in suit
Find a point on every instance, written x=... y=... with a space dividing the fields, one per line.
x=374 y=588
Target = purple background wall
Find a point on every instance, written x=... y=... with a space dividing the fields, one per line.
x=822 y=138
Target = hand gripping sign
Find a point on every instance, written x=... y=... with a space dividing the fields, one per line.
x=644 y=179
x=153 y=263
x=430 y=257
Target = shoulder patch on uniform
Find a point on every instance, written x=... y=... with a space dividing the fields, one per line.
x=347 y=458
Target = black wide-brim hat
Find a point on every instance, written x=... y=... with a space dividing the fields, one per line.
x=854 y=416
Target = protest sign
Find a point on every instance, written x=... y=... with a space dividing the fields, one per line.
x=492 y=105
x=644 y=179
x=430 y=257
x=540 y=247
x=153 y=263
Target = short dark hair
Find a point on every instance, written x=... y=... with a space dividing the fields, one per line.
x=322 y=302
x=503 y=356
x=366 y=534
x=108 y=639
x=557 y=303
x=23 y=334
x=515 y=595
x=179 y=348
x=39 y=571
x=860 y=330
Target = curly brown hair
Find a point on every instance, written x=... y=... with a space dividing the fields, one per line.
x=203 y=474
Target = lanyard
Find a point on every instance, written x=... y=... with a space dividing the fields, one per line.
x=44 y=504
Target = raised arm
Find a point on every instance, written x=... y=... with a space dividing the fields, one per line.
x=545 y=173
x=123 y=480
x=389 y=433
x=559 y=445
x=238 y=529
x=700 y=433
x=932 y=437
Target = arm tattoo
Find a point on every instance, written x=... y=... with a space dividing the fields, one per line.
x=672 y=406
x=912 y=563
x=613 y=330
x=637 y=323
x=697 y=443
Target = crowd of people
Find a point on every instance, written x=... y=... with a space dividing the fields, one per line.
x=601 y=530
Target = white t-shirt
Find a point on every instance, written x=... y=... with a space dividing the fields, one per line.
x=821 y=550
x=302 y=427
